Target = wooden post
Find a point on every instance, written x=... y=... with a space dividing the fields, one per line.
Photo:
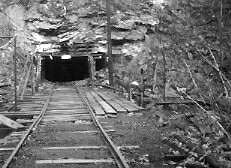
x=32 y=80
x=220 y=29
x=26 y=81
x=15 y=74
x=109 y=43
x=164 y=75
x=161 y=49
x=129 y=93
x=154 y=73
x=142 y=88
x=36 y=76
x=20 y=85
x=92 y=69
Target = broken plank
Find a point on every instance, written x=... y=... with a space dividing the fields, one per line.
x=96 y=107
x=131 y=107
x=112 y=102
x=107 y=108
x=126 y=106
x=130 y=103
x=10 y=123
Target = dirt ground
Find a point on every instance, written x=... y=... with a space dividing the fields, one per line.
x=139 y=129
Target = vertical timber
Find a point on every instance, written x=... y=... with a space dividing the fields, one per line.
x=164 y=75
x=15 y=74
x=142 y=88
x=109 y=43
x=164 y=62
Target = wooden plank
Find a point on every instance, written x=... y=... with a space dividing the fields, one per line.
x=75 y=161
x=110 y=100
x=30 y=105
x=63 y=119
x=66 y=108
x=10 y=123
x=65 y=105
x=68 y=113
x=34 y=112
x=80 y=116
x=107 y=108
x=6 y=113
x=88 y=147
x=126 y=106
x=64 y=102
x=74 y=147
x=97 y=108
x=29 y=102
x=65 y=94
x=88 y=132
x=61 y=116
x=117 y=106
x=61 y=112
x=126 y=101
x=6 y=149
x=23 y=121
x=58 y=110
x=131 y=104
x=36 y=97
x=131 y=107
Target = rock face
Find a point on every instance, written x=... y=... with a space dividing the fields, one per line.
x=78 y=27
x=65 y=24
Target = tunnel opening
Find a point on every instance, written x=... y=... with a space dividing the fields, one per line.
x=64 y=70
x=55 y=69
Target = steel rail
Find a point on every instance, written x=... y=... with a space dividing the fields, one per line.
x=33 y=125
x=119 y=158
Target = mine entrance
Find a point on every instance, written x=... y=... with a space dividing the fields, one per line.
x=56 y=69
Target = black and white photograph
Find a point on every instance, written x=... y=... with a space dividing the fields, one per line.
x=115 y=83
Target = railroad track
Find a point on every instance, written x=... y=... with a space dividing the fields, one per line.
x=66 y=133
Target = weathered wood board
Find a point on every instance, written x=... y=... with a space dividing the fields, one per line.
x=107 y=108
x=111 y=100
x=97 y=108
x=10 y=123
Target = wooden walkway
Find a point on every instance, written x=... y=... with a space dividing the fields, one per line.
x=105 y=102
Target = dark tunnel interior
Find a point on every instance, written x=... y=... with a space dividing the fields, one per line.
x=66 y=70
